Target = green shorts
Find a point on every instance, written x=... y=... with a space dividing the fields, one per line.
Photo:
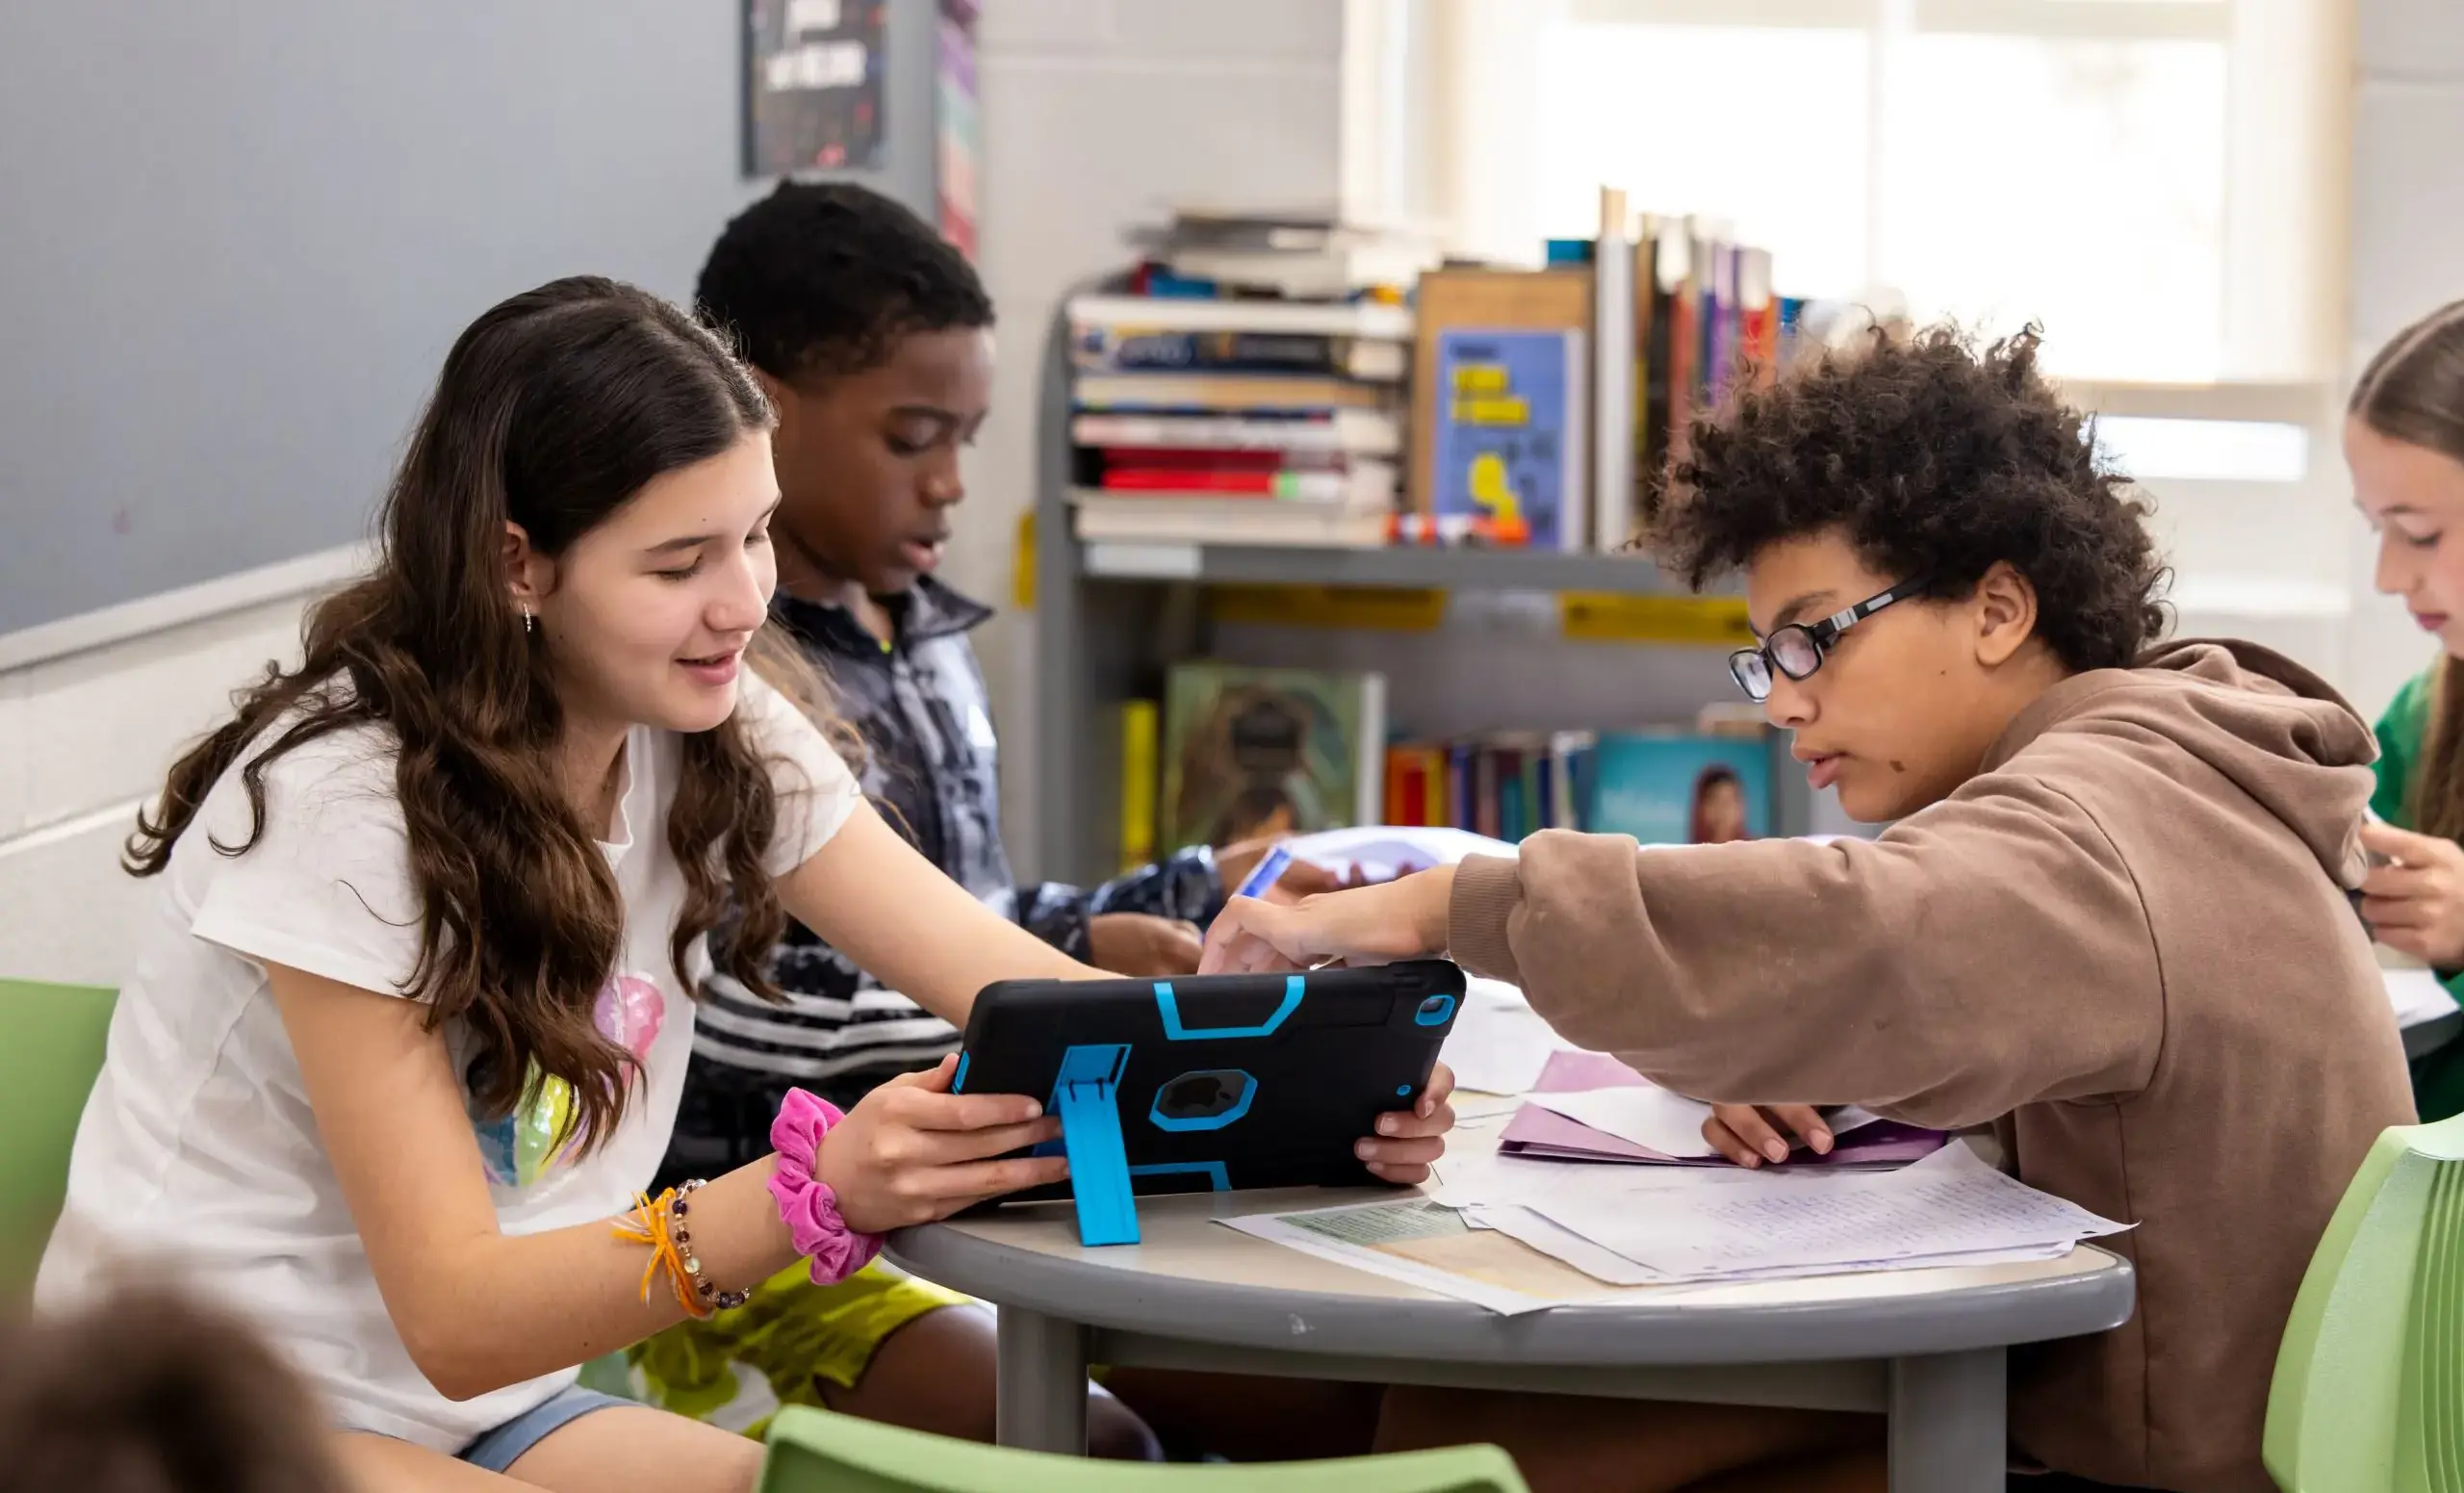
x=738 y=1368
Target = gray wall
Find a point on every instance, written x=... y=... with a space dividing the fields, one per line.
x=236 y=237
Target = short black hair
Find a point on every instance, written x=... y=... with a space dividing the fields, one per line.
x=1935 y=460
x=826 y=278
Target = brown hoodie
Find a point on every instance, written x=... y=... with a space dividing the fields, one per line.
x=2128 y=940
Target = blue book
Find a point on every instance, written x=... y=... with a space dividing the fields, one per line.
x=1671 y=789
x=1509 y=445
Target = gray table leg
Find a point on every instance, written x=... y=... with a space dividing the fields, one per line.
x=1949 y=1422
x=1041 y=1403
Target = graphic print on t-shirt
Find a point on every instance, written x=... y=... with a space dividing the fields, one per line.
x=541 y=1134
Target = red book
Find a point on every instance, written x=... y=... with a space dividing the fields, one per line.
x=1325 y=485
x=1159 y=458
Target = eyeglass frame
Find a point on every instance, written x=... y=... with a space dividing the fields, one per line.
x=1821 y=636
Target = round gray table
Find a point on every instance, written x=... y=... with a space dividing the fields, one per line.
x=1924 y=1346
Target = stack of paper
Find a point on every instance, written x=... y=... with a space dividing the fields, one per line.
x=1948 y=1209
x=1499 y=1043
x=1587 y=1106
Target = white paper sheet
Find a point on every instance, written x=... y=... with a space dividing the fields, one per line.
x=1950 y=1203
x=1398 y=1241
x=1383 y=852
x=1610 y=1268
x=1644 y=1114
x=1499 y=1044
x=2417 y=996
x=1669 y=1123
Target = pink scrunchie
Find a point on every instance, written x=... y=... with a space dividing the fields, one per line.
x=805 y=1203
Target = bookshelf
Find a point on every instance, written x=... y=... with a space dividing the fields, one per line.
x=1110 y=618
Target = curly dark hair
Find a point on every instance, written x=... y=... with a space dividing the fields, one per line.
x=826 y=278
x=1935 y=459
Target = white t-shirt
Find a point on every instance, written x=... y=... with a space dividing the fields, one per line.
x=198 y=1156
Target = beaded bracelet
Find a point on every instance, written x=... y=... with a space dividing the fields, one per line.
x=659 y=1222
x=713 y=1300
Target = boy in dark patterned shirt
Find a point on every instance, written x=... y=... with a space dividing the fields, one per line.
x=872 y=337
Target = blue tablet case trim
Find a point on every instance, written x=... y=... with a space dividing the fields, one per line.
x=1087 y=1095
x=1215 y=1171
x=1156 y=1117
x=1171 y=1008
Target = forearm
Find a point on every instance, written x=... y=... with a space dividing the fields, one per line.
x=1782 y=971
x=500 y=1308
x=920 y=933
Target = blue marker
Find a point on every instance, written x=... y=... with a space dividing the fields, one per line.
x=1270 y=870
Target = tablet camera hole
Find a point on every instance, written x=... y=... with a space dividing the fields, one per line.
x=1203 y=1100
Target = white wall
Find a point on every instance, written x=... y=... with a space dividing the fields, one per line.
x=82 y=740
x=1098 y=114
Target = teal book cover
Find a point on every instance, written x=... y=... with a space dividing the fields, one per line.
x=1671 y=789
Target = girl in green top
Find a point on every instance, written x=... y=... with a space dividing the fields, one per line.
x=2404 y=441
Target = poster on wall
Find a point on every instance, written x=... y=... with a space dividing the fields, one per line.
x=812 y=97
x=959 y=126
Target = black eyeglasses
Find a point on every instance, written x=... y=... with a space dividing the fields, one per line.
x=1797 y=649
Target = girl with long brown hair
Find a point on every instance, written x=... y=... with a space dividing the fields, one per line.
x=2404 y=441
x=408 y=1023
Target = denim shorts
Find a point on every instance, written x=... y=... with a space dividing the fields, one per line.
x=497 y=1450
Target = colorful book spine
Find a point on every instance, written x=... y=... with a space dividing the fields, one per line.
x=1141 y=738
x=1102 y=350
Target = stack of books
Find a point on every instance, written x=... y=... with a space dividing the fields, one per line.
x=1250 y=390
x=1545 y=403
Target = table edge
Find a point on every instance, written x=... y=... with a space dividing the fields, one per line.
x=1959 y=1319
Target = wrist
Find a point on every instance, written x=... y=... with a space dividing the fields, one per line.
x=1433 y=908
x=807 y=1202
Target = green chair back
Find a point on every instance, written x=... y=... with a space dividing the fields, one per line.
x=2369 y=1389
x=817 y=1452
x=51 y=1047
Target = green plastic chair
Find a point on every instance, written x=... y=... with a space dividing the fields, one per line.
x=2369 y=1390
x=817 y=1452
x=51 y=1047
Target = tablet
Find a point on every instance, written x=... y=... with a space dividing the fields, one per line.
x=1219 y=1081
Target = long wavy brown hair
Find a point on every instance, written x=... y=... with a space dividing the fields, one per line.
x=554 y=409
x=2413 y=390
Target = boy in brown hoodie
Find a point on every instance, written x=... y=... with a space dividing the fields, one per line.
x=2111 y=914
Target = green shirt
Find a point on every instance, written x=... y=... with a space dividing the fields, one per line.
x=2438 y=1079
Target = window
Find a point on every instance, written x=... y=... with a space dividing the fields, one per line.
x=2149 y=180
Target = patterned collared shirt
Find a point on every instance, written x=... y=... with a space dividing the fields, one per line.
x=932 y=770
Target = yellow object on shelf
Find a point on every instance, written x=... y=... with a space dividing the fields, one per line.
x=1388 y=609
x=1700 y=621
x=1141 y=731
x=1022 y=574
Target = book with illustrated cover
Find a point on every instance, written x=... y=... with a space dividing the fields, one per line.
x=1669 y=788
x=1251 y=751
x=1508 y=438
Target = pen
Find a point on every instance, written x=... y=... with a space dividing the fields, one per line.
x=1267 y=871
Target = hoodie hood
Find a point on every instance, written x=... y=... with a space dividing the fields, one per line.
x=2273 y=729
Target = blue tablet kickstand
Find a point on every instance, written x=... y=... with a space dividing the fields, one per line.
x=1087 y=1095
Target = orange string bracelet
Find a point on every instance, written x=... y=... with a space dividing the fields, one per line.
x=648 y=1225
